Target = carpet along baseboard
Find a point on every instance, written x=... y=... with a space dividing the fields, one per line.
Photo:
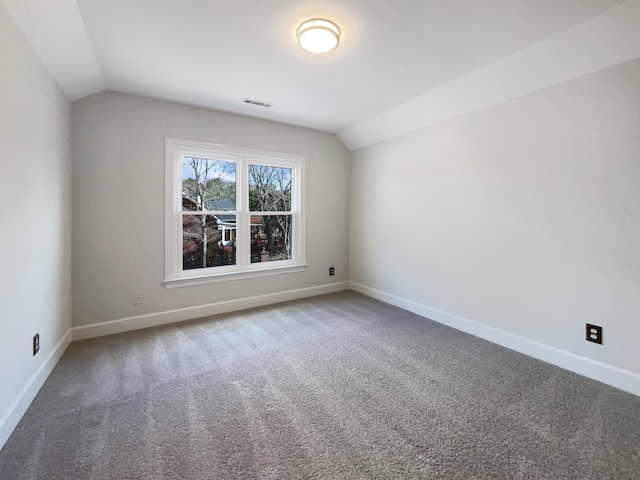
x=20 y=405
x=190 y=313
x=614 y=376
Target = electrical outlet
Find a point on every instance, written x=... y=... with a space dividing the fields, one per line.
x=36 y=343
x=594 y=333
x=137 y=299
x=331 y=271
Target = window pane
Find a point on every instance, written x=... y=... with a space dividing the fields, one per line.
x=270 y=238
x=208 y=184
x=269 y=189
x=208 y=241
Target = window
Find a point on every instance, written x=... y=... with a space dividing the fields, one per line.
x=231 y=212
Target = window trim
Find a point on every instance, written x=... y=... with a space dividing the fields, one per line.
x=175 y=276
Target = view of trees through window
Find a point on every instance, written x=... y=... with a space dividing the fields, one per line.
x=208 y=239
x=210 y=215
x=270 y=197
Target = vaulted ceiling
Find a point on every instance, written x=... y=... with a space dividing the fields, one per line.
x=401 y=65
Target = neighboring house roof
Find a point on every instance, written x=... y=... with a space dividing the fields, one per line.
x=212 y=204
x=226 y=220
x=215 y=204
x=220 y=204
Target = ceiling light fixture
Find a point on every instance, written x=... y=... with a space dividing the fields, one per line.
x=318 y=36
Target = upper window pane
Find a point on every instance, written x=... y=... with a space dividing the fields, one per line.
x=208 y=184
x=269 y=188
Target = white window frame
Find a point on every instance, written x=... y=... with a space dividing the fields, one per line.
x=175 y=151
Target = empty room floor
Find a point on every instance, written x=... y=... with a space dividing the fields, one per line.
x=336 y=386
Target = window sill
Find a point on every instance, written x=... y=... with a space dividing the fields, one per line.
x=231 y=276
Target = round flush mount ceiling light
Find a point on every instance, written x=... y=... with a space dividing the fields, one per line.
x=318 y=36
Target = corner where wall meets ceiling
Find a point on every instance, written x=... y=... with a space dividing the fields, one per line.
x=398 y=68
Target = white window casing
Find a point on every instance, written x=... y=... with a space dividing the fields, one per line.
x=175 y=151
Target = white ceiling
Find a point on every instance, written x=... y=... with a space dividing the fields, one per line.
x=400 y=66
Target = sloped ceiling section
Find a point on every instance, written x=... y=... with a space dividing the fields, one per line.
x=57 y=34
x=606 y=40
x=401 y=66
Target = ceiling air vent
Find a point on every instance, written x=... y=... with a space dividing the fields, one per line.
x=257 y=102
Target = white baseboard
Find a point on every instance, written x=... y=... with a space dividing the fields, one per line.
x=614 y=376
x=20 y=405
x=190 y=313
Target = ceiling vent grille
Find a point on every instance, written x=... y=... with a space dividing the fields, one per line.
x=257 y=103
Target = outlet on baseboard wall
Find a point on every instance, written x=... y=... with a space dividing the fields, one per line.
x=332 y=271
x=36 y=343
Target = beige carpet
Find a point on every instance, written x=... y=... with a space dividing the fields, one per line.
x=338 y=386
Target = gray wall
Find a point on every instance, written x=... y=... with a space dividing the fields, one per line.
x=523 y=217
x=118 y=203
x=35 y=218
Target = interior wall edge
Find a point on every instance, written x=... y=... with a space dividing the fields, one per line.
x=17 y=409
x=599 y=371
